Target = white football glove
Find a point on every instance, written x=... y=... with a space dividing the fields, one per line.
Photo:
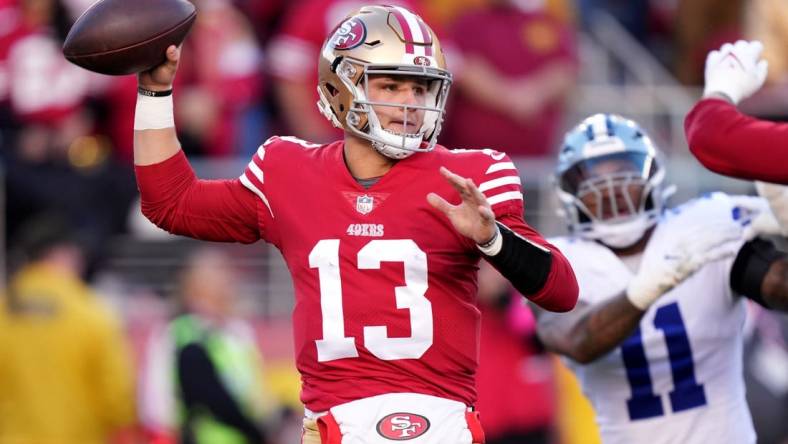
x=757 y=217
x=690 y=251
x=735 y=70
x=777 y=195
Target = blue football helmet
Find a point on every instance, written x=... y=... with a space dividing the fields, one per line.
x=609 y=180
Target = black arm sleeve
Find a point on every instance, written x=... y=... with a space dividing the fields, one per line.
x=201 y=386
x=750 y=268
x=525 y=264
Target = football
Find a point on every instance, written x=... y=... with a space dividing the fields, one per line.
x=119 y=37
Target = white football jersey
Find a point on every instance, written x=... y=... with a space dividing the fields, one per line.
x=678 y=378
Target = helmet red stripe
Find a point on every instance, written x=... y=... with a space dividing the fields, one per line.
x=427 y=38
x=403 y=23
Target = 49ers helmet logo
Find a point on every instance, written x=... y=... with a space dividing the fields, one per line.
x=421 y=60
x=351 y=33
x=403 y=426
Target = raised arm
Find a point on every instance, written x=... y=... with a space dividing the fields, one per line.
x=723 y=139
x=172 y=196
x=728 y=142
x=154 y=126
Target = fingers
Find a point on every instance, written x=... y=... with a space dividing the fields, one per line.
x=439 y=203
x=692 y=244
x=458 y=182
x=762 y=71
x=716 y=242
x=750 y=204
x=724 y=251
x=713 y=58
x=468 y=191
x=477 y=195
x=757 y=49
x=713 y=236
x=173 y=54
x=742 y=48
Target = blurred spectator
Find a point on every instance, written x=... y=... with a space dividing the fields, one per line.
x=701 y=26
x=518 y=67
x=633 y=15
x=65 y=370
x=204 y=375
x=291 y=60
x=264 y=15
x=51 y=157
x=221 y=84
x=62 y=166
x=36 y=81
x=515 y=376
x=442 y=13
x=575 y=415
x=767 y=21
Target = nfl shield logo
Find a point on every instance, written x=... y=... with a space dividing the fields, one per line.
x=364 y=204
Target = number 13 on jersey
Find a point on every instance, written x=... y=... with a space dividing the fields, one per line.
x=334 y=344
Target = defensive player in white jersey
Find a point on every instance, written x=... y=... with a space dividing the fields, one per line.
x=383 y=265
x=656 y=340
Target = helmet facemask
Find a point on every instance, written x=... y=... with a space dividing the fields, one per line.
x=614 y=198
x=362 y=121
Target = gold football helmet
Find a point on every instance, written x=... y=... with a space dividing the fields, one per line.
x=382 y=40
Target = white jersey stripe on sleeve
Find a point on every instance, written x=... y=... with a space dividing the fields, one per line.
x=500 y=166
x=248 y=184
x=261 y=152
x=258 y=173
x=499 y=182
x=503 y=197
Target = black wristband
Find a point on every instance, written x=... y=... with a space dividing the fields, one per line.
x=146 y=92
x=525 y=264
x=490 y=242
x=750 y=268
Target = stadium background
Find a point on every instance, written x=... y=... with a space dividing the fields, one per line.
x=248 y=73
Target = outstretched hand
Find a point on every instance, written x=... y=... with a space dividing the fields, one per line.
x=735 y=70
x=759 y=218
x=689 y=251
x=473 y=217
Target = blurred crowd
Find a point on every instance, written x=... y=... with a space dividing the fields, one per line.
x=249 y=72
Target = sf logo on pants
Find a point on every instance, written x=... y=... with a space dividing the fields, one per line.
x=403 y=426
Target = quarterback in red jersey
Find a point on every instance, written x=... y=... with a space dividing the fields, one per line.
x=384 y=267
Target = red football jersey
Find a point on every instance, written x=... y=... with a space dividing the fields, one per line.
x=385 y=287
